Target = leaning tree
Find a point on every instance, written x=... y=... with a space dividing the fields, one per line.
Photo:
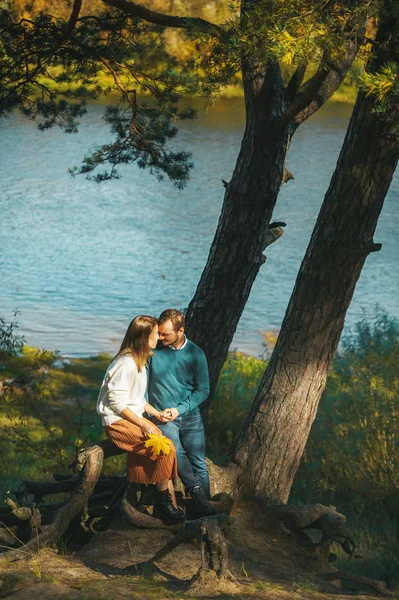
x=270 y=447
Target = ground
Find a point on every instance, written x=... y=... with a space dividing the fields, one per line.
x=264 y=561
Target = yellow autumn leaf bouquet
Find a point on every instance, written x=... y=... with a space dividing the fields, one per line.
x=158 y=443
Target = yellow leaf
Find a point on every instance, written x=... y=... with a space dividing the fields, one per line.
x=158 y=444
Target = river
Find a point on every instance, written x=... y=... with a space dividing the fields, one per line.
x=79 y=259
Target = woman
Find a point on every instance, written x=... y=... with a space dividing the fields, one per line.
x=121 y=404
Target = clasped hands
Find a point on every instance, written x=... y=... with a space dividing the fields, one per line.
x=169 y=414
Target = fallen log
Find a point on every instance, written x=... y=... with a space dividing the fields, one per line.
x=379 y=586
x=40 y=489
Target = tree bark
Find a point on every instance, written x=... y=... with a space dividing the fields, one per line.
x=274 y=436
x=236 y=253
x=273 y=114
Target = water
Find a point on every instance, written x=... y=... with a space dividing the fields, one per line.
x=79 y=260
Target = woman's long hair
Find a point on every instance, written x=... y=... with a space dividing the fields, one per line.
x=136 y=338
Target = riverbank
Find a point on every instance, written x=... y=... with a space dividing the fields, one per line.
x=50 y=414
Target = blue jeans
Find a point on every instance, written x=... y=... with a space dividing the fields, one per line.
x=188 y=435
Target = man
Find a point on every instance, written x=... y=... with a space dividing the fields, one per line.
x=178 y=383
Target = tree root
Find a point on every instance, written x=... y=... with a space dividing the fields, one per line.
x=89 y=465
x=379 y=586
x=209 y=532
x=138 y=518
x=298 y=519
x=22 y=524
x=8 y=537
x=213 y=572
x=90 y=462
x=67 y=484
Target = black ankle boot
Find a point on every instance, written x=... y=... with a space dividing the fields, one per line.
x=164 y=509
x=147 y=498
x=201 y=503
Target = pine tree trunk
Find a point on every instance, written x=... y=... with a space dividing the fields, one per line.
x=274 y=437
x=236 y=253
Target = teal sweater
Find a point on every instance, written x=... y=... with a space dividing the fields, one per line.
x=178 y=378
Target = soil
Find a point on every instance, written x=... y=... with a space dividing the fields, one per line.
x=265 y=561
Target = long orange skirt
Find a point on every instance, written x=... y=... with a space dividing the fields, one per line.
x=142 y=465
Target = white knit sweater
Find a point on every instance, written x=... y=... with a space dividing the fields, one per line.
x=122 y=387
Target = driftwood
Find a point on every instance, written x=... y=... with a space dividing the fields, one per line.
x=379 y=586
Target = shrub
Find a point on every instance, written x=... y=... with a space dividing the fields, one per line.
x=47 y=408
x=234 y=394
x=352 y=454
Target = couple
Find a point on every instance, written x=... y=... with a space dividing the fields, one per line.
x=178 y=383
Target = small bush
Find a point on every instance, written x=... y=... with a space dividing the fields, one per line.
x=47 y=409
x=234 y=394
x=352 y=456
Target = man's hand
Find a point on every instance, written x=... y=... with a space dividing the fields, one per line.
x=169 y=414
x=147 y=428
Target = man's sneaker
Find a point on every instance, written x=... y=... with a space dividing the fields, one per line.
x=166 y=511
x=201 y=503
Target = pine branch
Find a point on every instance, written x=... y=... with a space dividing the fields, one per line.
x=308 y=93
x=152 y=16
x=330 y=84
x=296 y=80
x=318 y=89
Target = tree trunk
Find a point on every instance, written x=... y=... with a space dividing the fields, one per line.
x=236 y=253
x=273 y=439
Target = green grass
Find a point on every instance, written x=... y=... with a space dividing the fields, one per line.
x=46 y=423
x=378 y=550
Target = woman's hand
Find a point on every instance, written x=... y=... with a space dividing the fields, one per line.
x=149 y=428
x=169 y=414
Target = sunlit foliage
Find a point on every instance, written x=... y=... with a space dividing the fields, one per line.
x=234 y=394
x=50 y=75
x=47 y=411
x=51 y=65
x=353 y=446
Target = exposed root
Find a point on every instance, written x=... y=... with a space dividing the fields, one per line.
x=206 y=582
x=90 y=462
x=326 y=519
x=379 y=586
x=214 y=553
x=137 y=518
x=209 y=532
